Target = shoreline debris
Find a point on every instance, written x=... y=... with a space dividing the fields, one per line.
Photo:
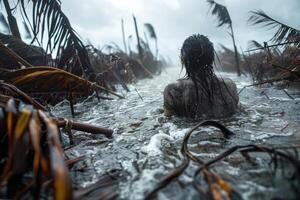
x=32 y=158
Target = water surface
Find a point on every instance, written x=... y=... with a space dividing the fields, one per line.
x=146 y=144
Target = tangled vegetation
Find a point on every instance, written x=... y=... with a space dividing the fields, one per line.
x=274 y=61
x=58 y=65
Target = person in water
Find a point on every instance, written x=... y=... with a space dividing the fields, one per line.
x=201 y=94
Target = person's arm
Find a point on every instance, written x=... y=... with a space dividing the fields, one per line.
x=168 y=101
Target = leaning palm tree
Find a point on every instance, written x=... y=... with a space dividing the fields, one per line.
x=284 y=35
x=225 y=19
x=11 y=19
x=151 y=31
x=47 y=22
x=140 y=50
x=5 y=26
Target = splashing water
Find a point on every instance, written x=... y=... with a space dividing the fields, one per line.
x=146 y=144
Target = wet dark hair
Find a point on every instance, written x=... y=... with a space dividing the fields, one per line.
x=197 y=57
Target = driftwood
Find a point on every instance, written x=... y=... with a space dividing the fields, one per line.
x=79 y=126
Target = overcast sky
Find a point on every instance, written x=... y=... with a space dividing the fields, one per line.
x=99 y=21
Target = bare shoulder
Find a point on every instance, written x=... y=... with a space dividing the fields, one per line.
x=228 y=83
x=228 y=90
x=175 y=95
x=179 y=86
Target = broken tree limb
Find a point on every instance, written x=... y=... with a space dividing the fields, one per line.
x=71 y=162
x=84 y=127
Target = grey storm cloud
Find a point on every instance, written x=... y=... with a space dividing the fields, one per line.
x=99 y=21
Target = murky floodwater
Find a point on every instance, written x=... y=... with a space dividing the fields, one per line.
x=146 y=144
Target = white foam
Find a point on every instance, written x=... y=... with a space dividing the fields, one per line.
x=266 y=135
x=209 y=155
x=154 y=146
x=208 y=143
x=143 y=184
x=174 y=132
x=233 y=170
x=252 y=187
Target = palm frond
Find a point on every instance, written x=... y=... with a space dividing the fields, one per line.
x=37 y=80
x=145 y=46
x=226 y=49
x=221 y=12
x=254 y=44
x=48 y=17
x=116 y=47
x=4 y=24
x=27 y=31
x=284 y=33
x=151 y=31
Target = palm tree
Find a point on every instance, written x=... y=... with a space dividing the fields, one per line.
x=62 y=40
x=225 y=19
x=151 y=31
x=11 y=20
x=138 y=39
x=284 y=35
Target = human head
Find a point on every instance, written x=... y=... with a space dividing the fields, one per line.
x=197 y=56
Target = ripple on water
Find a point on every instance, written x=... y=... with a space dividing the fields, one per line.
x=146 y=144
